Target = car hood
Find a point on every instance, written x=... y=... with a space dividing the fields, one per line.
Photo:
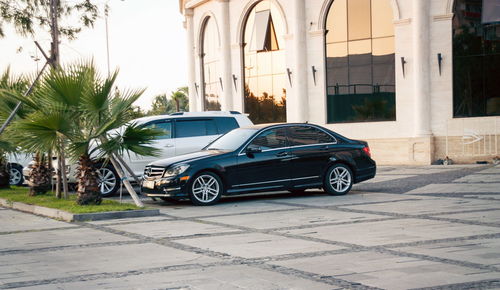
x=187 y=158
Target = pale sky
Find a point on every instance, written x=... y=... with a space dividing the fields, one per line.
x=147 y=43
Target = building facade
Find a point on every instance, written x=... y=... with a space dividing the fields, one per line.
x=418 y=79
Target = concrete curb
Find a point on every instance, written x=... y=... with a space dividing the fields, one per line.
x=73 y=217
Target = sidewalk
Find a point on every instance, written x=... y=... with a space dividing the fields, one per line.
x=410 y=227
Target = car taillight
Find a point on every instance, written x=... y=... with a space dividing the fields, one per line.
x=366 y=149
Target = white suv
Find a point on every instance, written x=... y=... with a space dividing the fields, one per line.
x=182 y=133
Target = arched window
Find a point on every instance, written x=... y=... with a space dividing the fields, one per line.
x=264 y=64
x=210 y=71
x=360 y=61
x=476 y=58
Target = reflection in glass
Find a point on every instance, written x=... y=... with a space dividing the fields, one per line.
x=210 y=67
x=476 y=58
x=360 y=68
x=264 y=65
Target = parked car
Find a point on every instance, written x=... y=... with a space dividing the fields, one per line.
x=262 y=158
x=183 y=133
x=16 y=164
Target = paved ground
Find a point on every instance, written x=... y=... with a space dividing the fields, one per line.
x=412 y=227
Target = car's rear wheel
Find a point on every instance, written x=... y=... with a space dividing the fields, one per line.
x=338 y=179
x=108 y=179
x=16 y=175
x=205 y=189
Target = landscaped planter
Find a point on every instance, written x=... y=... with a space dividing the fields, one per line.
x=74 y=217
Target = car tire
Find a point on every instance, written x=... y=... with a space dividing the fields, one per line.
x=206 y=188
x=111 y=180
x=338 y=179
x=16 y=175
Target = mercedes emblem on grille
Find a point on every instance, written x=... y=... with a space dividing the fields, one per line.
x=148 y=171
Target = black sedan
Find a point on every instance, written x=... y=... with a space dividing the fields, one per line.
x=290 y=157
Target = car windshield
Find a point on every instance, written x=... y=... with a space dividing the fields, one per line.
x=232 y=140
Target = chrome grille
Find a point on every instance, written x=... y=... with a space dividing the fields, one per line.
x=151 y=171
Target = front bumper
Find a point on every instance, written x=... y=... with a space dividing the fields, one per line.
x=172 y=187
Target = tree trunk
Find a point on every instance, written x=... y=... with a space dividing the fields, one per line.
x=4 y=173
x=88 y=185
x=63 y=173
x=39 y=179
x=58 y=177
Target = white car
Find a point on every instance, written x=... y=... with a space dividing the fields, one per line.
x=16 y=164
x=183 y=133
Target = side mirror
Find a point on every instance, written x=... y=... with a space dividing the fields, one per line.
x=253 y=149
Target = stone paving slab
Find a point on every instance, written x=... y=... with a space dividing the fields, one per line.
x=353 y=197
x=393 y=231
x=169 y=229
x=305 y=217
x=11 y=220
x=421 y=170
x=458 y=188
x=387 y=271
x=492 y=216
x=129 y=220
x=188 y=210
x=76 y=262
x=256 y=245
x=387 y=177
x=429 y=206
x=492 y=170
x=481 y=251
x=479 y=178
x=217 y=277
x=56 y=238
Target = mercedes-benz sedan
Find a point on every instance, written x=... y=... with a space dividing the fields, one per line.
x=262 y=158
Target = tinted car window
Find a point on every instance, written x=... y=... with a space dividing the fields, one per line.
x=164 y=127
x=306 y=135
x=226 y=124
x=193 y=128
x=271 y=139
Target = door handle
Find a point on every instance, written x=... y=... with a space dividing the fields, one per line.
x=169 y=145
x=282 y=154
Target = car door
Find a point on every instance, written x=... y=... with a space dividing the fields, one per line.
x=269 y=168
x=192 y=134
x=165 y=143
x=311 y=149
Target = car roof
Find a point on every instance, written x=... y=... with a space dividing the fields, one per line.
x=181 y=115
x=269 y=125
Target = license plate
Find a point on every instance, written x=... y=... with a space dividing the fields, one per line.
x=148 y=184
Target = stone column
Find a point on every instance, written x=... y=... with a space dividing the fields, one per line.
x=189 y=26
x=299 y=101
x=421 y=83
x=227 y=93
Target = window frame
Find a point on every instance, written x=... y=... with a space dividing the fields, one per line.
x=334 y=140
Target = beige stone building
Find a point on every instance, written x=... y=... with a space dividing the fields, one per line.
x=418 y=79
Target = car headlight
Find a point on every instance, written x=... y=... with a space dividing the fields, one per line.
x=175 y=170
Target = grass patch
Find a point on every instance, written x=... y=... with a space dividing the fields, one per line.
x=20 y=194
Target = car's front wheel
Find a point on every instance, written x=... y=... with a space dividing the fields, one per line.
x=16 y=175
x=108 y=180
x=205 y=189
x=338 y=179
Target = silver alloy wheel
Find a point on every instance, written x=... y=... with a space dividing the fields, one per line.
x=15 y=176
x=340 y=179
x=106 y=179
x=205 y=188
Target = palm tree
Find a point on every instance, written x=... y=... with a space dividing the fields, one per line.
x=79 y=110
